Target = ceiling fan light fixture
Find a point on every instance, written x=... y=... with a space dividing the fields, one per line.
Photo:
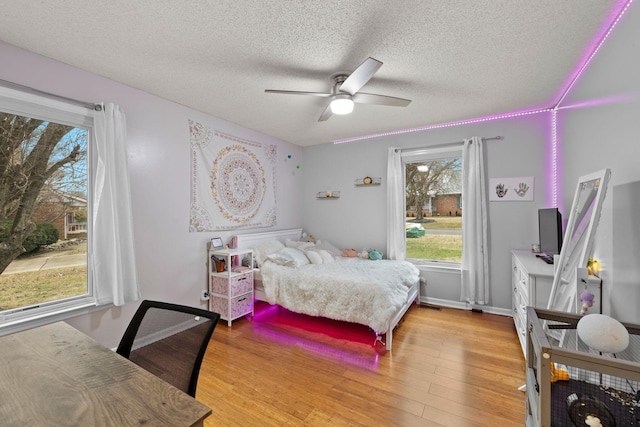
x=342 y=104
x=344 y=91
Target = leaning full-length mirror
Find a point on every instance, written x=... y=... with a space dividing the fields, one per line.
x=578 y=239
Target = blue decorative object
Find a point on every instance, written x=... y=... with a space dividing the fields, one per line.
x=375 y=255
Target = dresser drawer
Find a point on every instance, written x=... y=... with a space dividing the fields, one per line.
x=240 y=306
x=520 y=275
x=521 y=293
x=240 y=284
x=520 y=306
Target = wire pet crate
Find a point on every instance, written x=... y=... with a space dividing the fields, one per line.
x=567 y=382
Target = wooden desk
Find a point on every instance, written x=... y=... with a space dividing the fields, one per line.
x=57 y=376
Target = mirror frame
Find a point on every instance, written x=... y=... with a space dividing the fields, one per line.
x=576 y=254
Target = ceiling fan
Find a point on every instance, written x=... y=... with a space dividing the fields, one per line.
x=345 y=91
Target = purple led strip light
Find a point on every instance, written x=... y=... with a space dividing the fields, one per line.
x=554 y=159
x=564 y=93
x=444 y=125
x=618 y=13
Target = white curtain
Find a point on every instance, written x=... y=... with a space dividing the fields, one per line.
x=475 y=250
x=396 y=248
x=112 y=255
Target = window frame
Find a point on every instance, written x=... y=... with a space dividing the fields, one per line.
x=427 y=155
x=40 y=107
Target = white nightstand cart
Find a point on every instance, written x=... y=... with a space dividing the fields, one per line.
x=231 y=290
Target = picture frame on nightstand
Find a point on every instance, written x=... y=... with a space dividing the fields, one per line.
x=216 y=243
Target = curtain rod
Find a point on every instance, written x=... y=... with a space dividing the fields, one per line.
x=407 y=150
x=11 y=85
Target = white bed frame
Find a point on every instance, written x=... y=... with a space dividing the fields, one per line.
x=248 y=241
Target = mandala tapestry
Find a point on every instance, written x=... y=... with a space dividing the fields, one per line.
x=232 y=181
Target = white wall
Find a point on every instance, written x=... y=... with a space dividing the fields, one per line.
x=358 y=218
x=170 y=260
x=601 y=129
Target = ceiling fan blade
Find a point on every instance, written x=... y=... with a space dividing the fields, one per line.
x=326 y=114
x=296 y=92
x=360 y=76
x=371 y=98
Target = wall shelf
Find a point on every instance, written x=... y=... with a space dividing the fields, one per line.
x=328 y=195
x=367 y=181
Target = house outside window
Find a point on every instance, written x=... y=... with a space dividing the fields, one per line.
x=433 y=190
x=45 y=167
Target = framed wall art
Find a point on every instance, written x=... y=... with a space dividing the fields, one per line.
x=511 y=189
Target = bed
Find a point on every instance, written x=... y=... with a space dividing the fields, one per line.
x=322 y=283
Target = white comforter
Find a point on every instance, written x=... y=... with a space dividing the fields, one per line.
x=351 y=289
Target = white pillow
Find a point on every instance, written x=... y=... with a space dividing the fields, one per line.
x=262 y=250
x=298 y=244
x=289 y=257
x=314 y=257
x=327 y=246
x=326 y=256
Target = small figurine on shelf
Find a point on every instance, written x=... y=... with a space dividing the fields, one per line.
x=586 y=298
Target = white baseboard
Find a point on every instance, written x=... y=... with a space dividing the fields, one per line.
x=142 y=341
x=465 y=306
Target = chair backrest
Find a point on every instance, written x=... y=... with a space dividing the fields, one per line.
x=169 y=340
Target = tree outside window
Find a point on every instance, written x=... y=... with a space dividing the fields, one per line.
x=434 y=210
x=43 y=183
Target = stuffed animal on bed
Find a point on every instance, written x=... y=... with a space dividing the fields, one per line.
x=375 y=255
x=349 y=253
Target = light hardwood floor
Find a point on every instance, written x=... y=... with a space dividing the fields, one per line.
x=447 y=368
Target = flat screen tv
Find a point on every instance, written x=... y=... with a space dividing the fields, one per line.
x=550 y=231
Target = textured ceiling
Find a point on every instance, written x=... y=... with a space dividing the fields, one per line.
x=455 y=59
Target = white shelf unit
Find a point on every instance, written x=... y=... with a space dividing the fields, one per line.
x=367 y=181
x=531 y=280
x=231 y=291
x=328 y=195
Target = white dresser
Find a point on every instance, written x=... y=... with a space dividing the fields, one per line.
x=531 y=280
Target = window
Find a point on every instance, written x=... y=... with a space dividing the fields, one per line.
x=433 y=191
x=45 y=171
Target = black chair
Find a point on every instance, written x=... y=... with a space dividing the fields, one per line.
x=169 y=340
